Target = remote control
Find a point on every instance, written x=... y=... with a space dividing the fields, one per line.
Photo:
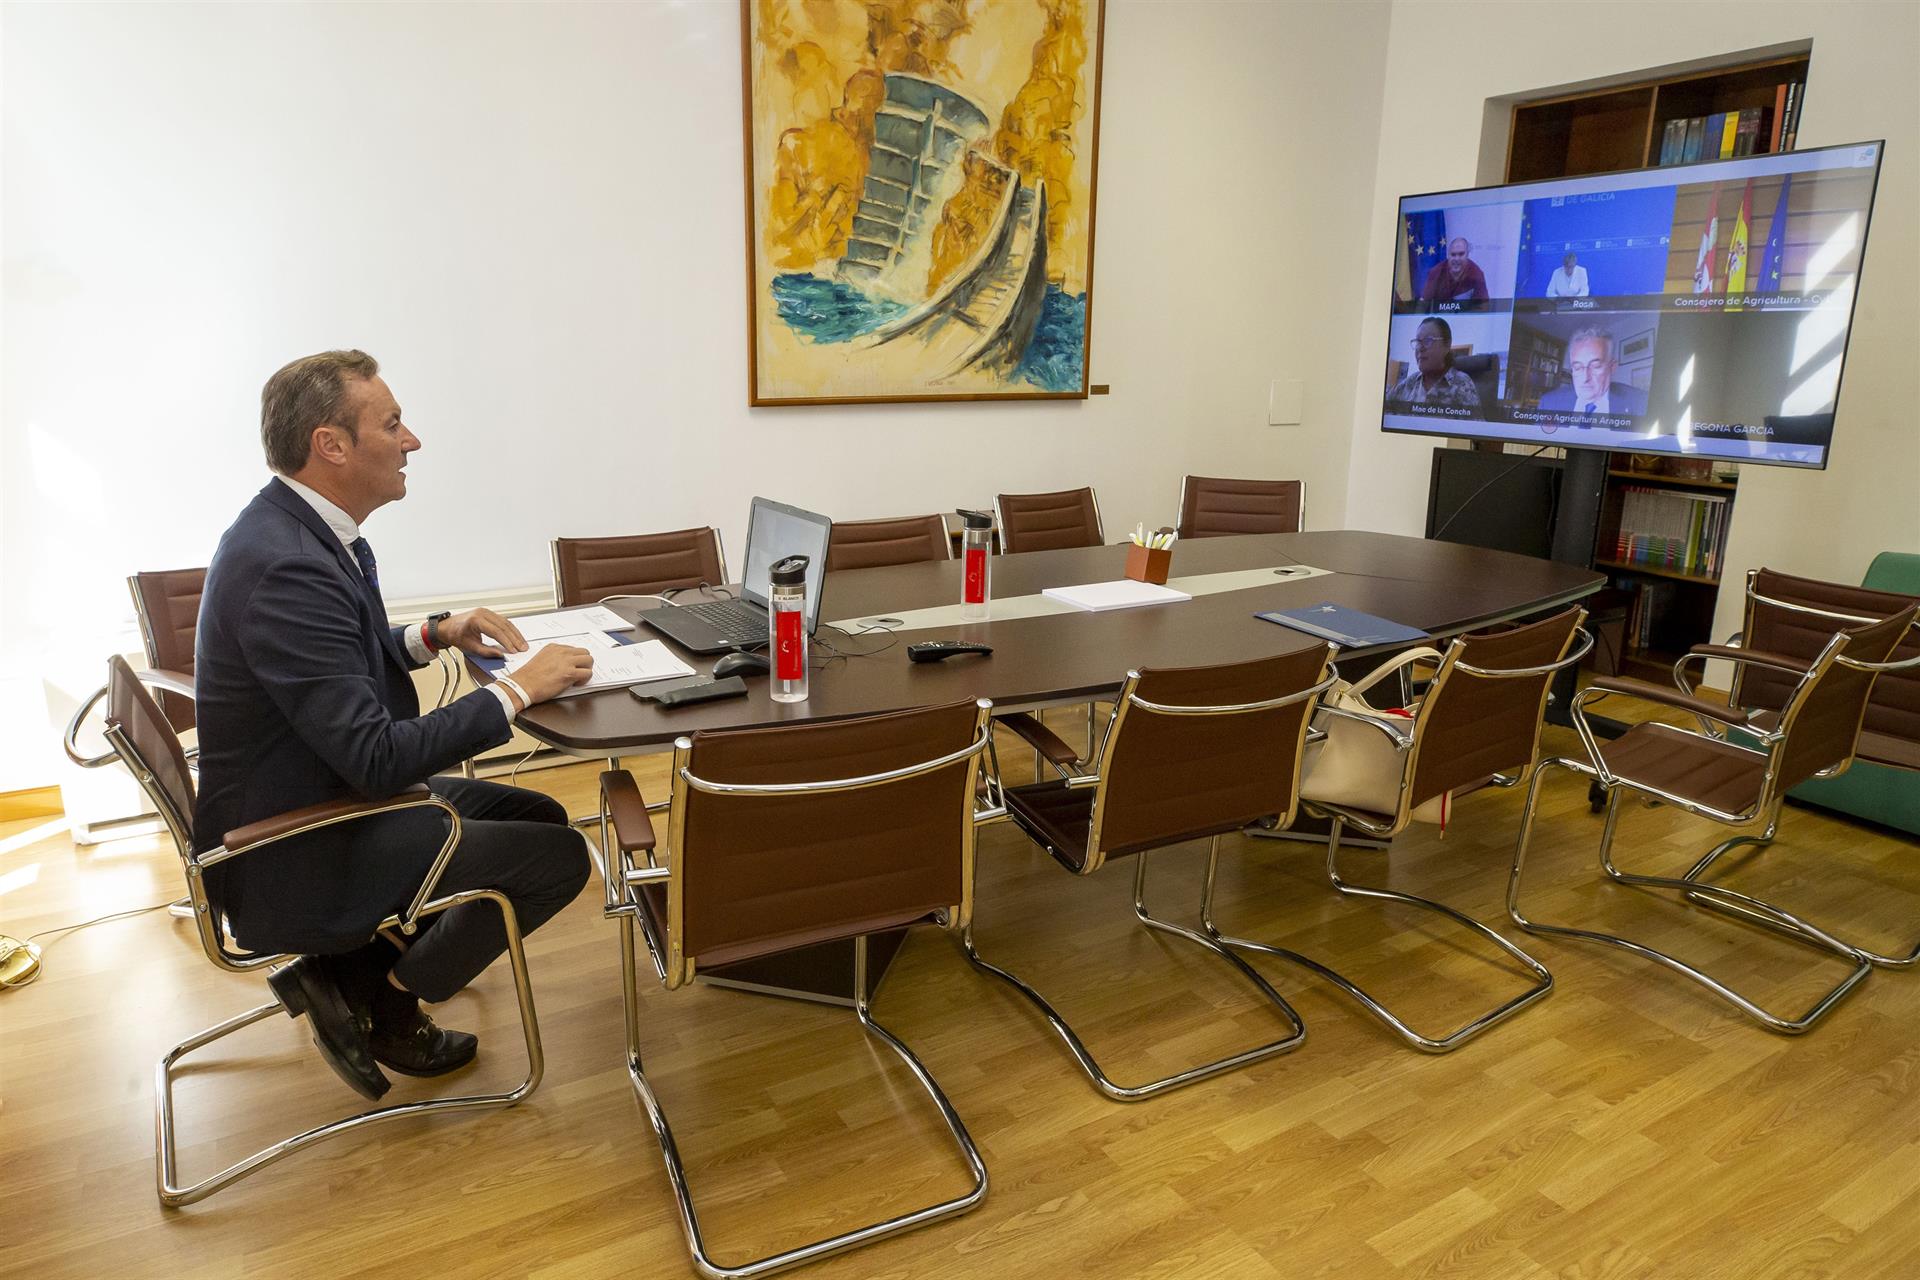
x=693 y=691
x=939 y=650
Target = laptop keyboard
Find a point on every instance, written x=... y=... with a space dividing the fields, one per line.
x=735 y=620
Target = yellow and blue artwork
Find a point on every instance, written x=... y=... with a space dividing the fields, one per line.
x=920 y=195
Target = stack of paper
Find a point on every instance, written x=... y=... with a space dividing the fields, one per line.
x=1098 y=597
x=617 y=660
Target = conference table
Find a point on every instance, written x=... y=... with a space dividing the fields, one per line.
x=1442 y=588
x=1046 y=658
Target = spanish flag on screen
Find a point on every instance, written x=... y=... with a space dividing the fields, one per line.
x=1737 y=247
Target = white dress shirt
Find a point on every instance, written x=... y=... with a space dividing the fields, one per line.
x=1563 y=285
x=347 y=529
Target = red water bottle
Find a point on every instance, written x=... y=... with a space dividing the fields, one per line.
x=787 y=630
x=976 y=595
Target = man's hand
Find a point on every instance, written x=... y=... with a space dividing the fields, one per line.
x=469 y=632
x=553 y=670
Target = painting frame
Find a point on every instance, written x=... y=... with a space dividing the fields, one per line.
x=765 y=310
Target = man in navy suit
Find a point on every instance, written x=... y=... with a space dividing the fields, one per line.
x=1591 y=356
x=302 y=696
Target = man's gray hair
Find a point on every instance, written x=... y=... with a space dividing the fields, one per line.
x=1593 y=333
x=308 y=393
x=1458 y=240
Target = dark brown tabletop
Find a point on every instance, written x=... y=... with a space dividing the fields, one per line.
x=1440 y=587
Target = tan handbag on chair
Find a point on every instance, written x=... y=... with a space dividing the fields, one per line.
x=1356 y=767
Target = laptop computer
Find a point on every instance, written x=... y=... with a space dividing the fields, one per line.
x=774 y=532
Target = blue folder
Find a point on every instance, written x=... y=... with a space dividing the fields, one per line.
x=1348 y=628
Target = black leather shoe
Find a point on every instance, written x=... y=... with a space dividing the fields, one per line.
x=306 y=986
x=417 y=1047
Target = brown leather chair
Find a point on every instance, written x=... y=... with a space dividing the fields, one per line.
x=1048 y=521
x=588 y=570
x=1814 y=734
x=748 y=874
x=1477 y=724
x=167 y=603
x=867 y=544
x=141 y=737
x=1216 y=507
x=1189 y=753
x=1789 y=620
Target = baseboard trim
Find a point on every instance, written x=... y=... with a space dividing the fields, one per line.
x=33 y=802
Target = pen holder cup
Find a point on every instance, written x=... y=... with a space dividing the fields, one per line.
x=1148 y=564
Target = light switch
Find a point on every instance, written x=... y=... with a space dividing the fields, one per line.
x=1284 y=398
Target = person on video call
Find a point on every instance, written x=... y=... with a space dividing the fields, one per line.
x=1458 y=279
x=1591 y=356
x=1433 y=379
x=304 y=696
x=1570 y=281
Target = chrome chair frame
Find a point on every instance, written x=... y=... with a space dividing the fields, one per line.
x=623 y=883
x=171 y=682
x=1766 y=807
x=172 y=1192
x=1405 y=744
x=1688 y=686
x=1128 y=699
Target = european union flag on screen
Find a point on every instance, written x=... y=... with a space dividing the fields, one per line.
x=1426 y=236
x=1776 y=239
x=1522 y=288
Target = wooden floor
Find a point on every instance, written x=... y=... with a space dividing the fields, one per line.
x=1629 y=1126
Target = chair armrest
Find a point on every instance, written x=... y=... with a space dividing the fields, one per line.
x=627 y=809
x=294 y=821
x=1752 y=657
x=1735 y=654
x=172 y=681
x=1049 y=744
x=1716 y=711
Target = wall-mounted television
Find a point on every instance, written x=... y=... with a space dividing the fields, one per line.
x=1696 y=309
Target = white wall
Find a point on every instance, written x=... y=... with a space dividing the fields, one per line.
x=531 y=214
x=1862 y=84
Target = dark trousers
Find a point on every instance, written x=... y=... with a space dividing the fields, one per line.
x=512 y=840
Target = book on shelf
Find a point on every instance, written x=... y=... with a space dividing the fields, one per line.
x=1673 y=141
x=1650 y=600
x=1722 y=134
x=1696 y=139
x=1675 y=531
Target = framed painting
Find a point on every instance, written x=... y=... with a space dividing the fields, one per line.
x=920 y=198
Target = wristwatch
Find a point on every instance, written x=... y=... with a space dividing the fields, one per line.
x=433 y=629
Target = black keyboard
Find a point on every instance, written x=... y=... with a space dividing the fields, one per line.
x=737 y=621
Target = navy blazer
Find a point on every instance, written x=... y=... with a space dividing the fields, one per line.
x=302 y=695
x=1622 y=398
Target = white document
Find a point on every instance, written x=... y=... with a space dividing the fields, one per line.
x=615 y=665
x=1098 y=597
x=571 y=622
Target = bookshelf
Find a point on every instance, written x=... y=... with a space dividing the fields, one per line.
x=1663 y=595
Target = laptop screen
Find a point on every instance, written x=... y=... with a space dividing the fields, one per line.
x=776 y=531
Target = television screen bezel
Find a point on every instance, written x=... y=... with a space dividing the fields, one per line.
x=1826 y=454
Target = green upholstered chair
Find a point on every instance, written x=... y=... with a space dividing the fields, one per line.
x=1878 y=792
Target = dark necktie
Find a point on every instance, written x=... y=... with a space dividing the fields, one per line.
x=363 y=556
x=369 y=558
